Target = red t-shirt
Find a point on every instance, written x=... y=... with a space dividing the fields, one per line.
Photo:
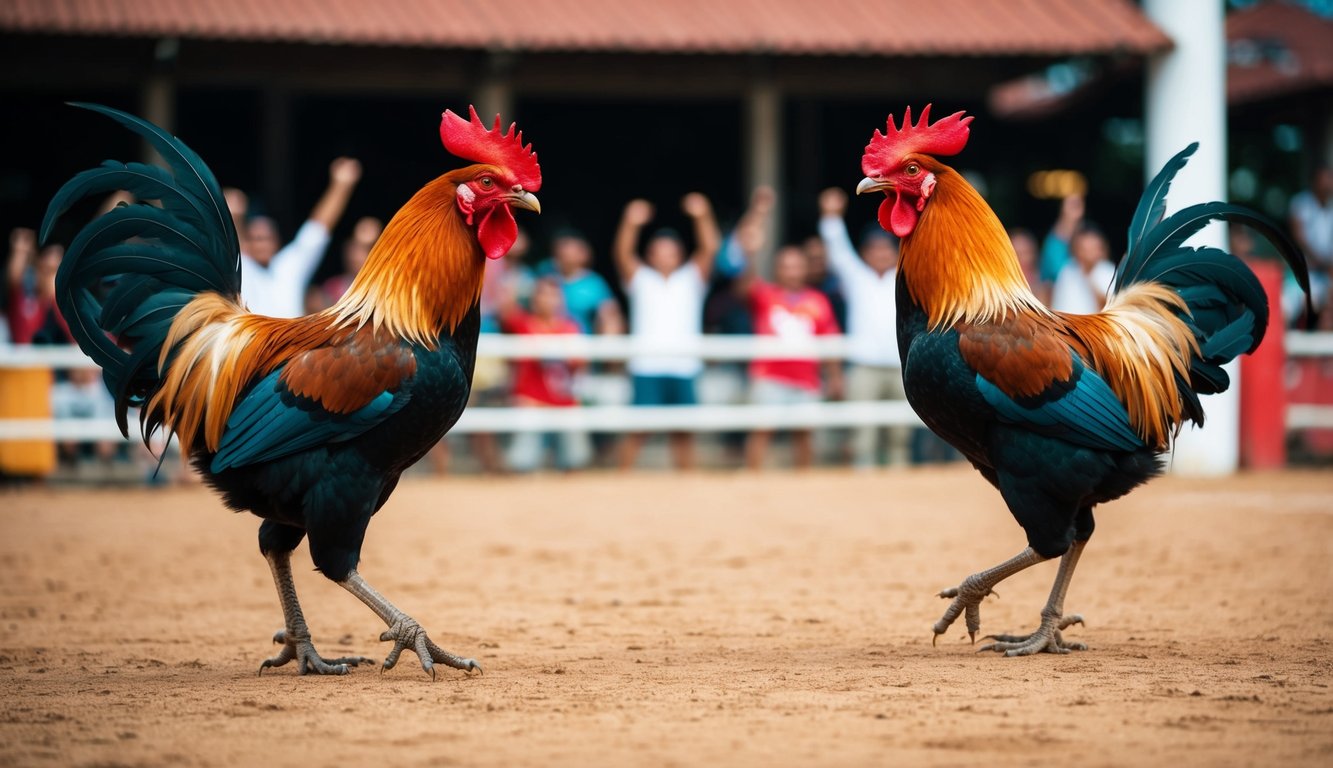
x=29 y=314
x=542 y=381
x=791 y=315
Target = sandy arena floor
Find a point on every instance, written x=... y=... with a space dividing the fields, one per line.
x=713 y=619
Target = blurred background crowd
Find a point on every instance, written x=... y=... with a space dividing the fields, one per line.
x=660 y=226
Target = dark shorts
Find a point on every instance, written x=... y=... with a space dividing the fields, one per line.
x=664 y=390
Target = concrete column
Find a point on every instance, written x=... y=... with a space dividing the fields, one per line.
x=762 y=144
x=1185 y=102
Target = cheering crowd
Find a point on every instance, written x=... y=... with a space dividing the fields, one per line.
x=675 y=287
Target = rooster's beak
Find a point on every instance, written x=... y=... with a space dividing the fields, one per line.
x=526 y=200
x=869 y=184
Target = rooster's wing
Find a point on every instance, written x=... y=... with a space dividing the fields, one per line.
x=326 y=395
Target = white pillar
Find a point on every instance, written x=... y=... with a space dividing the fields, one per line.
x=1186 y=102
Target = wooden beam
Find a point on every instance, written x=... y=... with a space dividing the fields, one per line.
x=762 y=144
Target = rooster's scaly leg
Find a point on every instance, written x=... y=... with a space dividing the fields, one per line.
x=404 y=630
x=295 y=638
x=967 y=596
x=1047 y=638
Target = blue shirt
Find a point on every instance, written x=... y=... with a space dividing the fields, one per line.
x=585 y=293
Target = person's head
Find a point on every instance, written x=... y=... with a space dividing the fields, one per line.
x=879 y=249
x=355 y=253
x=83 y=377
x=791 y=268
x=1322 y=183
x=1089 y=247
x=665 y=251
x=816 y=256
x=261 y=239
x=1240 y=241
x=238 y=205
x=548 y=298
x=367 y=230
x=571 y=252
x=519 y=250
x=1025 y=245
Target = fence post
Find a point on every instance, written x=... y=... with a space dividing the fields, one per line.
x=1263 y=392
x=25 y=393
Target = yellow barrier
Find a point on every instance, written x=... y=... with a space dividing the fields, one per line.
x=25 y=393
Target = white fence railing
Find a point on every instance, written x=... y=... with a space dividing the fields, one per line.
x=622 y=418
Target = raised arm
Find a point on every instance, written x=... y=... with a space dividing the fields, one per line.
x=747 y=242
x=22 y=252
x=707 y=236
x=238 y=205
x=637 y=213
x=842 y=256
x=344 y=173
x=750 y=237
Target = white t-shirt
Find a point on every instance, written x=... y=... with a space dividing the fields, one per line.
x=666 y=310
x=1317 y=221
x=278 y=290
x=1073 y=290
x=872 y=309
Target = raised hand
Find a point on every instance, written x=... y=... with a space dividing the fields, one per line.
x=832 y=202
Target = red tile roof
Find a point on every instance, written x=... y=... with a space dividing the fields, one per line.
x=830 y=27
x=1277 y=49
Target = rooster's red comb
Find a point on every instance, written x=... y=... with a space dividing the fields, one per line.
x=947 y=136
x=471 y=140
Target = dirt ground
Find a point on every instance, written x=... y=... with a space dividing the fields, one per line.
x=712 y=619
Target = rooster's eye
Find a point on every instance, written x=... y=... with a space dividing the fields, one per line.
x=913 y=169
x=487 y=182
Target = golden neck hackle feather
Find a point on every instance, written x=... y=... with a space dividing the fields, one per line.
x=424 y=273
x=958 y=263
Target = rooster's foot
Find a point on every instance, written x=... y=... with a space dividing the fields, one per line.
x=407 y=634
x=1047 y=638
x=308 y=661
x=967 y=599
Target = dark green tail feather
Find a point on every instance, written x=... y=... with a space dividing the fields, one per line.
x=128 y=273
x=1228 y=309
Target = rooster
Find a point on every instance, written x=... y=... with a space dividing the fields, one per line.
x=308 y=422
x=1060 y=412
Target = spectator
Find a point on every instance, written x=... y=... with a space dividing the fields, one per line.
x=356 y=249
x=726 y=309
x=273 y=279
x=822 y=279
x=544 y=383
x=507 y=280
x=1311 y=221
x=32 y=314
x=238 y=204
x=588 y=299
x=1055 y=249
x=792 y=311
x=82 y=395
x=590 y=302
x=666 y=296
x=1029 y=260
x=1083 y=283
x=869 y=282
